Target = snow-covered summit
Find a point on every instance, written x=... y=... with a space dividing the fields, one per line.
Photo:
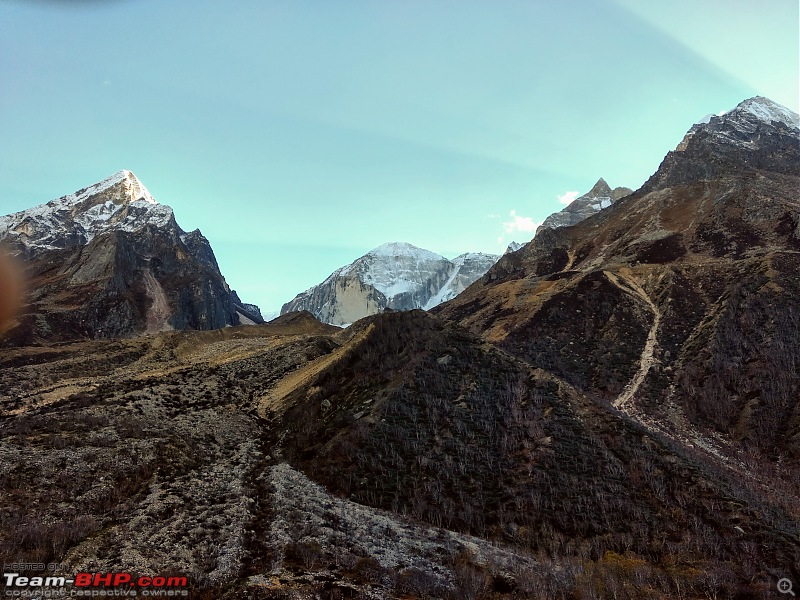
x=398 y=268
x=743 y=125
x=395 y=275
x=767 y=111
x=750 y=115
x=119 y=202
x=129 y=185
x=396 y=249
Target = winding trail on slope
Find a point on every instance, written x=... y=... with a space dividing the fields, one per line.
x=646 y=360
x=713 y=445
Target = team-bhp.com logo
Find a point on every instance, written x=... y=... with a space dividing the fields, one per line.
x=93 y=585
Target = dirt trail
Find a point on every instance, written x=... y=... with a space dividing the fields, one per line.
x=632 y=288
x=680 y=430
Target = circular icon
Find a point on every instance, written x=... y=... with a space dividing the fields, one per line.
x=785 y=586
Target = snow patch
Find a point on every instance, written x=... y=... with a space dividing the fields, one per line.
x=604 y=202
x=397 y=249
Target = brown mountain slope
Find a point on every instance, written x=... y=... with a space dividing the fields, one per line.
x=715 y=261
x=424 y=419
x=678 y=305
x=182 y=438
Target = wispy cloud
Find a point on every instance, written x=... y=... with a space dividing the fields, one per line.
x=520 y=223
x=568 y=197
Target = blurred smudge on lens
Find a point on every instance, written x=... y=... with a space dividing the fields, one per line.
x=11 y=287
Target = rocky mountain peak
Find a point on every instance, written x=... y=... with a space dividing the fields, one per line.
x=765 y=110
x=745 y=124
x=757 y=134
x=110 y=261
x=513 y=247
x=600 y=189
x=601 y=196
x=134 y=187
x=123 y=187
x=119 y=202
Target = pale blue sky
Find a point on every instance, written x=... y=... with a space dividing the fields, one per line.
x=298 y=135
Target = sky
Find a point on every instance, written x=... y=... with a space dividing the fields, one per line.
x=298 y=135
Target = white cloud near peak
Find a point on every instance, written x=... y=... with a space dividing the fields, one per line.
x=568 y=197
x=519 y=223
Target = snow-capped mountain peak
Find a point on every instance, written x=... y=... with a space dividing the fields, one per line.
x=119 y=202
x=397 y=268
x=745 y=124
x=140 y=272
x=136 y=188
x=395 y=275
x=396 y=249
x=127 y=185
x=767 y=111
x=756 y=134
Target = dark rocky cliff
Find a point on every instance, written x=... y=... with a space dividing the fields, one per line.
x=110 y=262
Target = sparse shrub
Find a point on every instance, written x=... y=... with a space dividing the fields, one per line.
x=369 y=570
x=472 y=582
x=419 y=583
x=308 y=554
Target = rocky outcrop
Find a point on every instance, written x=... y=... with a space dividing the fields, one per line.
x=109 y=261
x=396 y=276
